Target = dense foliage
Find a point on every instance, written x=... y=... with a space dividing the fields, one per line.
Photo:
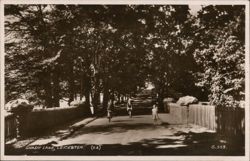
x=221 y=53
x=59 y=51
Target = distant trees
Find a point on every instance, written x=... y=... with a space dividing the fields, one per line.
x=60 y=51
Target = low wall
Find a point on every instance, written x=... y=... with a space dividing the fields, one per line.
x=39 y=121
x=178 y=113
x=203 y=115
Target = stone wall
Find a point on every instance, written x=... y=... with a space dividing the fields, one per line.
x=39 y=121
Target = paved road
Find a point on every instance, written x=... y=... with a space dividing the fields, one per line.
x=124 y=130
x=132 y=136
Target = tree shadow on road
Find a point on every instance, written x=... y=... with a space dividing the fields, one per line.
x=118 y=127
x=178 y=144
x=122 y=120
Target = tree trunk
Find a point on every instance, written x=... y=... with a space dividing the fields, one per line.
x=81 y=88
x=87 y=90
x=95 y=101
x=48 y=91
x=119 y=98
x=71 y=91
x=105 y=98
x=71 y=86
x=87 y=95
x=96 y=94
x=56 y=90
x=160 y=99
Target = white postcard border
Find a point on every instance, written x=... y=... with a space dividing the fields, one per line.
x=158 y=2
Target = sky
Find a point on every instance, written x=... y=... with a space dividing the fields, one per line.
x=194 y=9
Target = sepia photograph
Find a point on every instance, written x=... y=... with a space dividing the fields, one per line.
x=157 y=80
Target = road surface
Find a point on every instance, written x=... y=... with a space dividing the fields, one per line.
x=132 y=136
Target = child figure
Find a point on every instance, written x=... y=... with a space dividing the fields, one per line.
x=155 y=113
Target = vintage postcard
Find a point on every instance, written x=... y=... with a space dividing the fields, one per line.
x=124 y=80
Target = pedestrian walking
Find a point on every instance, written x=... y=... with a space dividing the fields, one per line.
x=109 y=110
x=129 y=107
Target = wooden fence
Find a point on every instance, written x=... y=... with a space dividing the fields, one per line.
x=230 y=121
x=203 y=115
x=226 y=121
x=179 y=114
